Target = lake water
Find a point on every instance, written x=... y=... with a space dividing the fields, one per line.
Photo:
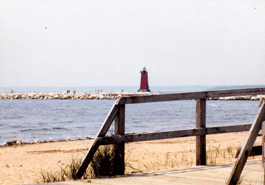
x=30 y=120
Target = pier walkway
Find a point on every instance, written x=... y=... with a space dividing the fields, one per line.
x=253 y=173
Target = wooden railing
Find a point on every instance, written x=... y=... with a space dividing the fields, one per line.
x=119 y=139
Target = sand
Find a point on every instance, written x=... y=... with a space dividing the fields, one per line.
x=22 y=164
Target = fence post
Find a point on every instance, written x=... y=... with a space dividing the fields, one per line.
x=119 y=147
x=201 y=140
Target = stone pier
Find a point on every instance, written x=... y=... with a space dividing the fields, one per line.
x=74 y=96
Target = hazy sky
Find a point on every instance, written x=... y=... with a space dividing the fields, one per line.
x=108 y=42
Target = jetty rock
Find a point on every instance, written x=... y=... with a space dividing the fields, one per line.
x=72 y=96
x=103 y=95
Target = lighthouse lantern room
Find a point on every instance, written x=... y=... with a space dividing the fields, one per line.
x=144 y=87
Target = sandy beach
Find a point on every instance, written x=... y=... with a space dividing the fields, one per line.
x=21 y=164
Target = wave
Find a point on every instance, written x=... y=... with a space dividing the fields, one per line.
x=58 y=128
x=38 y=129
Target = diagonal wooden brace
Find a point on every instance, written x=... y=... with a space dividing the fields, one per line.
x=246 y=149
x=102 y=132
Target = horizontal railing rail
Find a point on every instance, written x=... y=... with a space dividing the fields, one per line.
x=127 y=138
x=191 y=95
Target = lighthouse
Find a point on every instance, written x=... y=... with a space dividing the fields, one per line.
x=144 y=87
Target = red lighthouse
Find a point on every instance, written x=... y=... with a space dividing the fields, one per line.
x=144 y=87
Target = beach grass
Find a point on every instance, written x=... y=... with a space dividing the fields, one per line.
x=214 y=155
x=103 y=163
x=68 y=172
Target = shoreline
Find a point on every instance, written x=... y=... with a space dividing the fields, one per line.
x=22 y=143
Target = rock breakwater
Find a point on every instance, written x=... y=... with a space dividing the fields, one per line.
x=74 y=96
x=104 y=95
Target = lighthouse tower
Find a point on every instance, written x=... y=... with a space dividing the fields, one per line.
x=144 y=87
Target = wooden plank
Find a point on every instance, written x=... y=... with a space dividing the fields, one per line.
x=94 y=146
x=120 y=147
x=244 y=153
x=120 y=121
x=162 y=97
x=235 y=92
x=228 y=129
x=171 y=134
x=201 y=139
x=149 y=136
x=191 y=95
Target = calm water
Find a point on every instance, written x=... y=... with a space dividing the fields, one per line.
x=31 y=120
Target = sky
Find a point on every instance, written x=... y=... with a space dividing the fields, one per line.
x=58 y=43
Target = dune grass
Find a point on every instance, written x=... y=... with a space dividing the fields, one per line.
x=103 y=163
x=63 y=174
x=214 y=155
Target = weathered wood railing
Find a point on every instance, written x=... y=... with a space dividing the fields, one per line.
x=117 y=113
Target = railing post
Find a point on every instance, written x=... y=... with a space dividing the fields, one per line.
x=119 y=148
x=201 y=140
